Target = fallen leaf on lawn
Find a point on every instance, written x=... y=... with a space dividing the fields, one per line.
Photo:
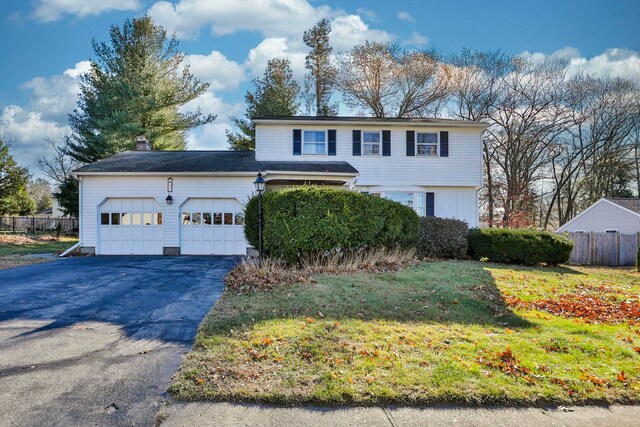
x=309 y=320
x=200 y=381
x=621 y=377
x=350 y=380
x=509 y=331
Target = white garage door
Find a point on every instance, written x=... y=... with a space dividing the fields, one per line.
x=212 y=227
x=130 y=227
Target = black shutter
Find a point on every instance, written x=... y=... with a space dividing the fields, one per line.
x=411 y=143
x=386 y=142
x=444 y=144
x=430 y=208
x=297 y=142
x=332 y=142
x=357 y=150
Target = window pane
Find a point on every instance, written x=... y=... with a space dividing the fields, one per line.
x=371 y=149
x=402 y=198
x=314 y=136
x=370 y=136
x=228 y=219
x=104 y=219
x=206 y=218
x=314 y=148
x=136 y=218
x=195 y=218
x=427 y=138
x=217 y=218
x=125 y=219
x=185 y=218
x=158 y=218
x=115 y=218
x=427 y=150
x=239 y=219
x=147 y=218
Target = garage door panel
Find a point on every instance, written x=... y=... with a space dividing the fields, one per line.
x=208 y=227
x=130 y=226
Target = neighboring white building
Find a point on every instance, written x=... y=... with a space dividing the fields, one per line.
x=432 y=165
x=607 y=215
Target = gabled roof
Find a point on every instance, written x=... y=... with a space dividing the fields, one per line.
x=205 y=162
x=402 y=121
x=629 y=205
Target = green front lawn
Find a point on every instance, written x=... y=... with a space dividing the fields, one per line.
x=438 y=332
x=22 y=245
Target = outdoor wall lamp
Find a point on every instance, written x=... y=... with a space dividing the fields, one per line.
x=169 y=199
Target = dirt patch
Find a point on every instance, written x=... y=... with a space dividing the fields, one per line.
x=9 y=261
x=23 y=239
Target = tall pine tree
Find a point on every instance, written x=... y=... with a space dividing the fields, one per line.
x=275 y=94
x=320 y=79
x=135 y=87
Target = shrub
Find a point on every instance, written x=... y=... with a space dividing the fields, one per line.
x=519 y=246
x=314 y=220
x=442 y=238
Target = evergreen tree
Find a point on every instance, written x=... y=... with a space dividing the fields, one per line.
x=275 y=94
x=319 y=81
x=135 y=87
x=14 y=198
x=67 y=196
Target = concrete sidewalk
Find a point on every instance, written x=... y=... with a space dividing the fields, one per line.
x=226 y=414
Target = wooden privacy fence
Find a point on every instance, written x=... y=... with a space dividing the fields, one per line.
x=32 y=224
x=604 y=248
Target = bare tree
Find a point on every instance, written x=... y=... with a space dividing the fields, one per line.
x=58 y=165
x=386 y=81
x=475 y=89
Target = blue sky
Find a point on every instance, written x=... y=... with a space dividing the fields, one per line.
x=47 y=43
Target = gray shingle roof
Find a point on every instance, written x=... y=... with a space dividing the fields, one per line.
x=373 y=120
x=631 y=204
x=206 y=162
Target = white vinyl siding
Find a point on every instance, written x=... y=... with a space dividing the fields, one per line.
x=463 y=167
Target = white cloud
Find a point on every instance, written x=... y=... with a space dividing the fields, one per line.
x=276 y=47
x=56 y=96
x=416 y=40
x=349 y=30
x=617 y=62
x=405 y=16
x=215 y=68
x=270 y=17
x=53 y=10
x=28 y=129
x=367 y=13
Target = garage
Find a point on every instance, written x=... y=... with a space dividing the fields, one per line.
x=212 y=227
x=130 y=226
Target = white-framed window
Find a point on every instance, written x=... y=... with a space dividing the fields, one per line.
x=426 y=144
x=371 y=143
x=416 y=201
x=314 y=142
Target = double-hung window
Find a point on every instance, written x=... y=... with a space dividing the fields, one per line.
x=427 y=144
x=370 y=143
x=314 y=142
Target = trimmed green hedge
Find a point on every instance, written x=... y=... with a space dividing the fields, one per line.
x=442 y=238
x=309 y=220
x=519 y=246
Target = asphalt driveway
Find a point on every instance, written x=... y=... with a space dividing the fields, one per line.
x=95 y=340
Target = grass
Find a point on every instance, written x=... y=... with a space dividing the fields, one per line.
x=14 y=247
x=439 y=332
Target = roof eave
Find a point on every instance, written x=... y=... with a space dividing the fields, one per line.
x=470 y=125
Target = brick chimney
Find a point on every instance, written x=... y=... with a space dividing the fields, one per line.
x=142 y=144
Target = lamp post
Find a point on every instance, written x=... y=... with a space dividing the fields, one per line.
x=260 y=185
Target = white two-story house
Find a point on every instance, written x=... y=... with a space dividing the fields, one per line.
x=192 y=202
